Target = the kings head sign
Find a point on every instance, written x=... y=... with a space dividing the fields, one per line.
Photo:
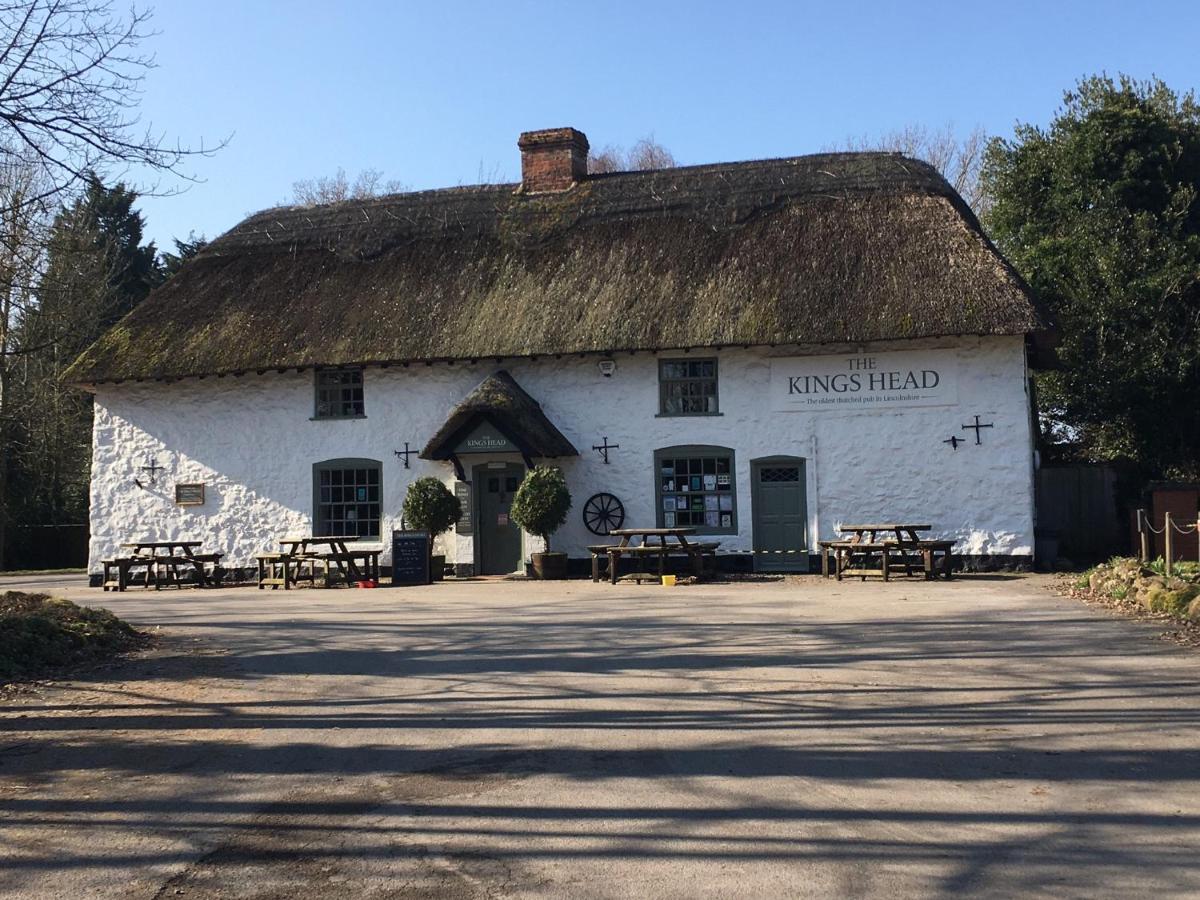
x=485 y=438
x=864 y=381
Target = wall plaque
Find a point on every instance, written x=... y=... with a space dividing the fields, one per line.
x=864 y=381
x=466 y=522
x=189 y=494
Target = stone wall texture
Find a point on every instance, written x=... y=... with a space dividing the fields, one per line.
x=253 y=442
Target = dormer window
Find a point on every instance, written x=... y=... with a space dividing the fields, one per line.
x=339 y=394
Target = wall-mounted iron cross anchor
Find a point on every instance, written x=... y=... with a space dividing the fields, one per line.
x=603 y=449
x=977 y=428
x=404 y=454
x=152 y=468
x=954 y=440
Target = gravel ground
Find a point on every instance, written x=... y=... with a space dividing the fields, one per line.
x=494 y=739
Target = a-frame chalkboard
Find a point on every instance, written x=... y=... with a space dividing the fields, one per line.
x=410 y=557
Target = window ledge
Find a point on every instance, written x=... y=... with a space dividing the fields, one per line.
x=687 y=415
x=335 y=418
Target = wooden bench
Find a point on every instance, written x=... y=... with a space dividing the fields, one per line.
x=705 y=552
x=936 y=558
x=288 y=569
x=117 y=571
x=275 y=570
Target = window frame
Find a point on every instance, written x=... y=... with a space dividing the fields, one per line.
x=343 y=464
x=663 y=382
x=696 y=451
x=317 y=415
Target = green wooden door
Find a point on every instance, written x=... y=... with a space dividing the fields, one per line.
x=780 y=514
x=499 y=536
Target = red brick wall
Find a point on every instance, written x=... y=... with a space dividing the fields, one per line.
x=552 y=159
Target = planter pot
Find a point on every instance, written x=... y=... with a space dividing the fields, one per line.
x=550 y=566
x=437 y=567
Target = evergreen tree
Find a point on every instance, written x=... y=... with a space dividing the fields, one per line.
x=97 y=270
x=185 y=249
x=1101 y=214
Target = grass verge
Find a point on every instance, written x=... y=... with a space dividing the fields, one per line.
x=39 y=632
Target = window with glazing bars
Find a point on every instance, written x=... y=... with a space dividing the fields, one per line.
x=348 y=499
x=339 y=394
x=696 y=489
x=687 y=387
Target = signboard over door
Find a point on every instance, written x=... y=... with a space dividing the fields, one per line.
x=485 y=438
x=868 y=381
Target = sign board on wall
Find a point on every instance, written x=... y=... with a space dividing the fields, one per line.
x=465 y=524
x=485 y=438
x=864 y=381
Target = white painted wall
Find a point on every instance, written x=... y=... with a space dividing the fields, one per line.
x=252 y=441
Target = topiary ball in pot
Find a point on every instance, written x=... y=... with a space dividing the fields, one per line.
x=540 y=507
x=430 y=506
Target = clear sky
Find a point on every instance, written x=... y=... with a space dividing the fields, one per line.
x=435 y=93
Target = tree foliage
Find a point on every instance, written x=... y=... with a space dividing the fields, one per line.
x=643 y=156
x=959 y=159
x=430 y=506
x=1099 y=212
x=542 y=502
x=96 y=270
x=185 y=249
x=338 y=187
x=71 y=256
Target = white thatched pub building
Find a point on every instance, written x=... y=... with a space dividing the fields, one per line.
x=761 y=350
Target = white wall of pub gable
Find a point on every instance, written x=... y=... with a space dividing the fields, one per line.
x=251 y=440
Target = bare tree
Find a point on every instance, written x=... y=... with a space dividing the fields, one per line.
x=70 y=82
x=645 y=155
x=336 y=188
x=959 y=159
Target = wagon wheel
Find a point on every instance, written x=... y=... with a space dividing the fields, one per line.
x=603 y=513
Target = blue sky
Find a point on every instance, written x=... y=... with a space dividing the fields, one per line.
x=433 y=94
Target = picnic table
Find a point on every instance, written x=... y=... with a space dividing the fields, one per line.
x=899 y=550
x=678 y=546
x=302 y=558
x=162 y=561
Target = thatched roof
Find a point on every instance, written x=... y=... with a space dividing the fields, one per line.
x=833 y=248
x=503 y=403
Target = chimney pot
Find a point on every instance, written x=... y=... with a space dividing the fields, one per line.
x=552 y=159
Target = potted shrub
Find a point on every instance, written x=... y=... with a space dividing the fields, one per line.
x=431 y=506
x=540 y=507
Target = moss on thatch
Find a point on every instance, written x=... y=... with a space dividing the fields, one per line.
x=502 y=402
x=833 y=248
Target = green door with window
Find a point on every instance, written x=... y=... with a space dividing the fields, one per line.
x=499 y=537
x=780 y=514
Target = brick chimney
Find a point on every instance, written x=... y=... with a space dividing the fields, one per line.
x=552 y=159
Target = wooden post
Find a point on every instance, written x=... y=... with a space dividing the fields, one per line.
x=1143 y=536
x=1168 y=548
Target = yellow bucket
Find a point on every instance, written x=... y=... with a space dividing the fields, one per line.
x=668 y=581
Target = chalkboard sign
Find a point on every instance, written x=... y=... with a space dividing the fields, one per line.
x=466 y=523
x=410 y=557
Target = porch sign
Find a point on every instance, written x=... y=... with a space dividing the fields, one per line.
x=855 y=382
x=485 y=438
